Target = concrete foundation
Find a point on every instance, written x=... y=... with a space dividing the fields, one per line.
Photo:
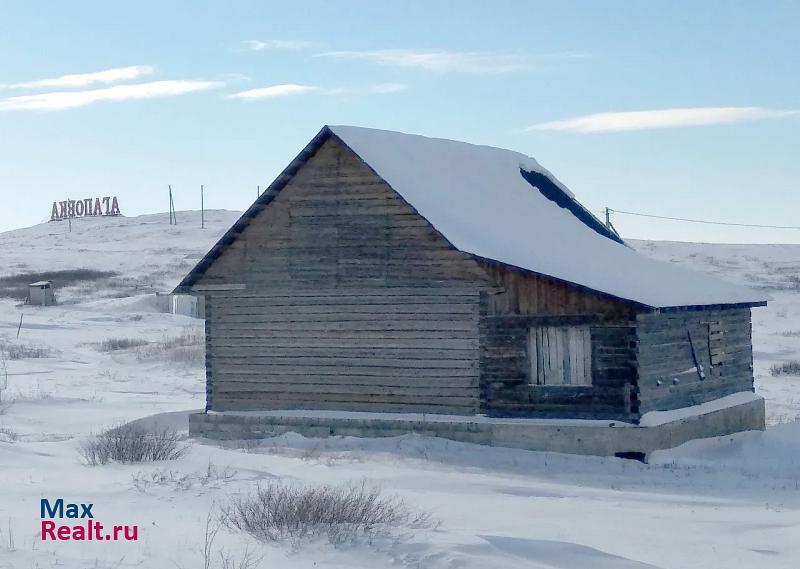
x=603 y=438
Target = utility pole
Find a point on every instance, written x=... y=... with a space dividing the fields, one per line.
x=609 y=225
x=202 y=210
x=258 y=192
x=173 y=220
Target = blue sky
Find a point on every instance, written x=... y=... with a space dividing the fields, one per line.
x=685 y=109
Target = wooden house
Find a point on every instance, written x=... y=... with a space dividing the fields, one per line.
x=388 y=272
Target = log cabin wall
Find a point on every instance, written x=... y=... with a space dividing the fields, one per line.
x=690 y=357
x=349 y=300
x=529 y=301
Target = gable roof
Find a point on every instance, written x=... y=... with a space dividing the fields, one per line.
x=503 y=206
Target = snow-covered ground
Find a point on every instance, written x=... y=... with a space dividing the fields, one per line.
x=732 y=502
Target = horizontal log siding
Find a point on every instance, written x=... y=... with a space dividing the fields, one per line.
x=665 y=355
x=351 y=301
x=406 y=360
x=208 y=357
x=527 y=300
x=337 y=224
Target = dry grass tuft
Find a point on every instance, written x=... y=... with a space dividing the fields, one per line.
x=114 y=344
x=188 y=348
x=791 y=367
x=11 y=350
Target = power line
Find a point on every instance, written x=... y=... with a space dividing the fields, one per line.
x=758 y=225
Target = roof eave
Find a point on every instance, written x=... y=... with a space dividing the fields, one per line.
x=634 y=303
x=726 y=305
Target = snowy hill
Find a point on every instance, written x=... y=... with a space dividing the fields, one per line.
x=106 y=354
x=147 y=253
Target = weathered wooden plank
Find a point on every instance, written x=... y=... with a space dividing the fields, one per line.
x=424 y=354
x=734 y=319
x=248 y=405
x=378 y=326
x=316 y=274
x=358 y=343
x=376 y=380
x=692 y=393
x=244 y=333
x=593 y=412
x=679 y=336
x=356 y=291
x=417 y=302
x=341 y=317
x=322 y=212
x=404 y=362
x=623 y=354
x=432 y=391
x=320 y=397
x=383 y=308
x=337 y=251
x=533 y=357
x=264 y=370
x=346 y=197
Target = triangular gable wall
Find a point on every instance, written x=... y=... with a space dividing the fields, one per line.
x=333 y=223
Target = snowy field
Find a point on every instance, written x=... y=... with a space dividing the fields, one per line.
x=725 y=503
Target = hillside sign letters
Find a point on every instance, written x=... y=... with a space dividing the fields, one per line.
x=84 y=208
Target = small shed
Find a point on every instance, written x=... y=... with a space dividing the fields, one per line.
x=41 y=293
x=186 y=305
x=391 y=273
x=182 y=304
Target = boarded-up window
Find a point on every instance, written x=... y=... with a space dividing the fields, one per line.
x=560 y=355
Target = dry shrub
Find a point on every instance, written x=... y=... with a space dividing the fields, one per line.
x=11 y=350
x=289 y=512
x=786 y=368
x=114 y=344
x=132 y=443
x=187 y=348
x=8 y=435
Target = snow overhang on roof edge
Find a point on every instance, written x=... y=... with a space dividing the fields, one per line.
x=530 y=165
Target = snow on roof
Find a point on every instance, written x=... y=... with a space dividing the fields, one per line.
x=477 y=198
x=40 y=283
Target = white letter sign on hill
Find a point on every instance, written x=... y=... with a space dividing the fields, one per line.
x=84 y=208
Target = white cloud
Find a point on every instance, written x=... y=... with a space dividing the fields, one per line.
x=290 y=89
x=379 y=89
x=84 y=79
x=661 y=118
x=274 y=91
x=61 y=100
x=441 y=61
x=261 y=45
